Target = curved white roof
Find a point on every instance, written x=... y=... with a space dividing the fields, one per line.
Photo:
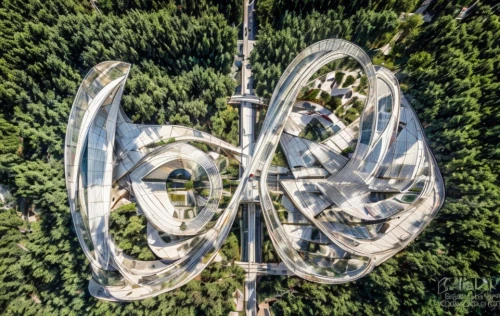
x=359 y=211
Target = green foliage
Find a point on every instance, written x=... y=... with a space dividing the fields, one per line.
x=231 y=9
x=312 y=247
x=330 y=102
x=183 y=226
x=201 y=146
x=261 y=114
x=363 y=85
x=452 y=80
x=181 y=52
x=231 y=248
x=189 y=99
x=11 y=243
x=268 y=252
x=129 y=232
x=279 y=158
x=282 y=216
x=224 y=201
x=357 y=105
x=189 y=185
x=178 y=82
x=385 y=61
x=347 y=151
x=353 y=112
x=176 y=197
x=311 y=95
x=411 y=25
x=322 y=98
x=455 y=80
x=181 y=58
x=278 y=45
x=348 y=81
x=270 y=13
x=205 y=193
x=213 y=294
x=10 y=148
x=370 y=27
x=339 y=76
x=233 y=170
x=226 y=124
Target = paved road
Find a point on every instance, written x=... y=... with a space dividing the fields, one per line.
x=258 y=235
x=249 y=31
x=250 y=281
x=247 y=130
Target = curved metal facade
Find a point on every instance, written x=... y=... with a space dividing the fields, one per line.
x=363 y=209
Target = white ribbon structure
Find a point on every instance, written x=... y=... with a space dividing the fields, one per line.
x=363 y=209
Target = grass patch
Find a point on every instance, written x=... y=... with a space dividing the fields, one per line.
x=177 y=198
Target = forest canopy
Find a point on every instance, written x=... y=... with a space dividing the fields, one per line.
x=182 y=52
x=181 y=58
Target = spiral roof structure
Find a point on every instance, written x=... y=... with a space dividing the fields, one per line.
x=360 y=210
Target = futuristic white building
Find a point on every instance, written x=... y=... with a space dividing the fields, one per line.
x=358 y=211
